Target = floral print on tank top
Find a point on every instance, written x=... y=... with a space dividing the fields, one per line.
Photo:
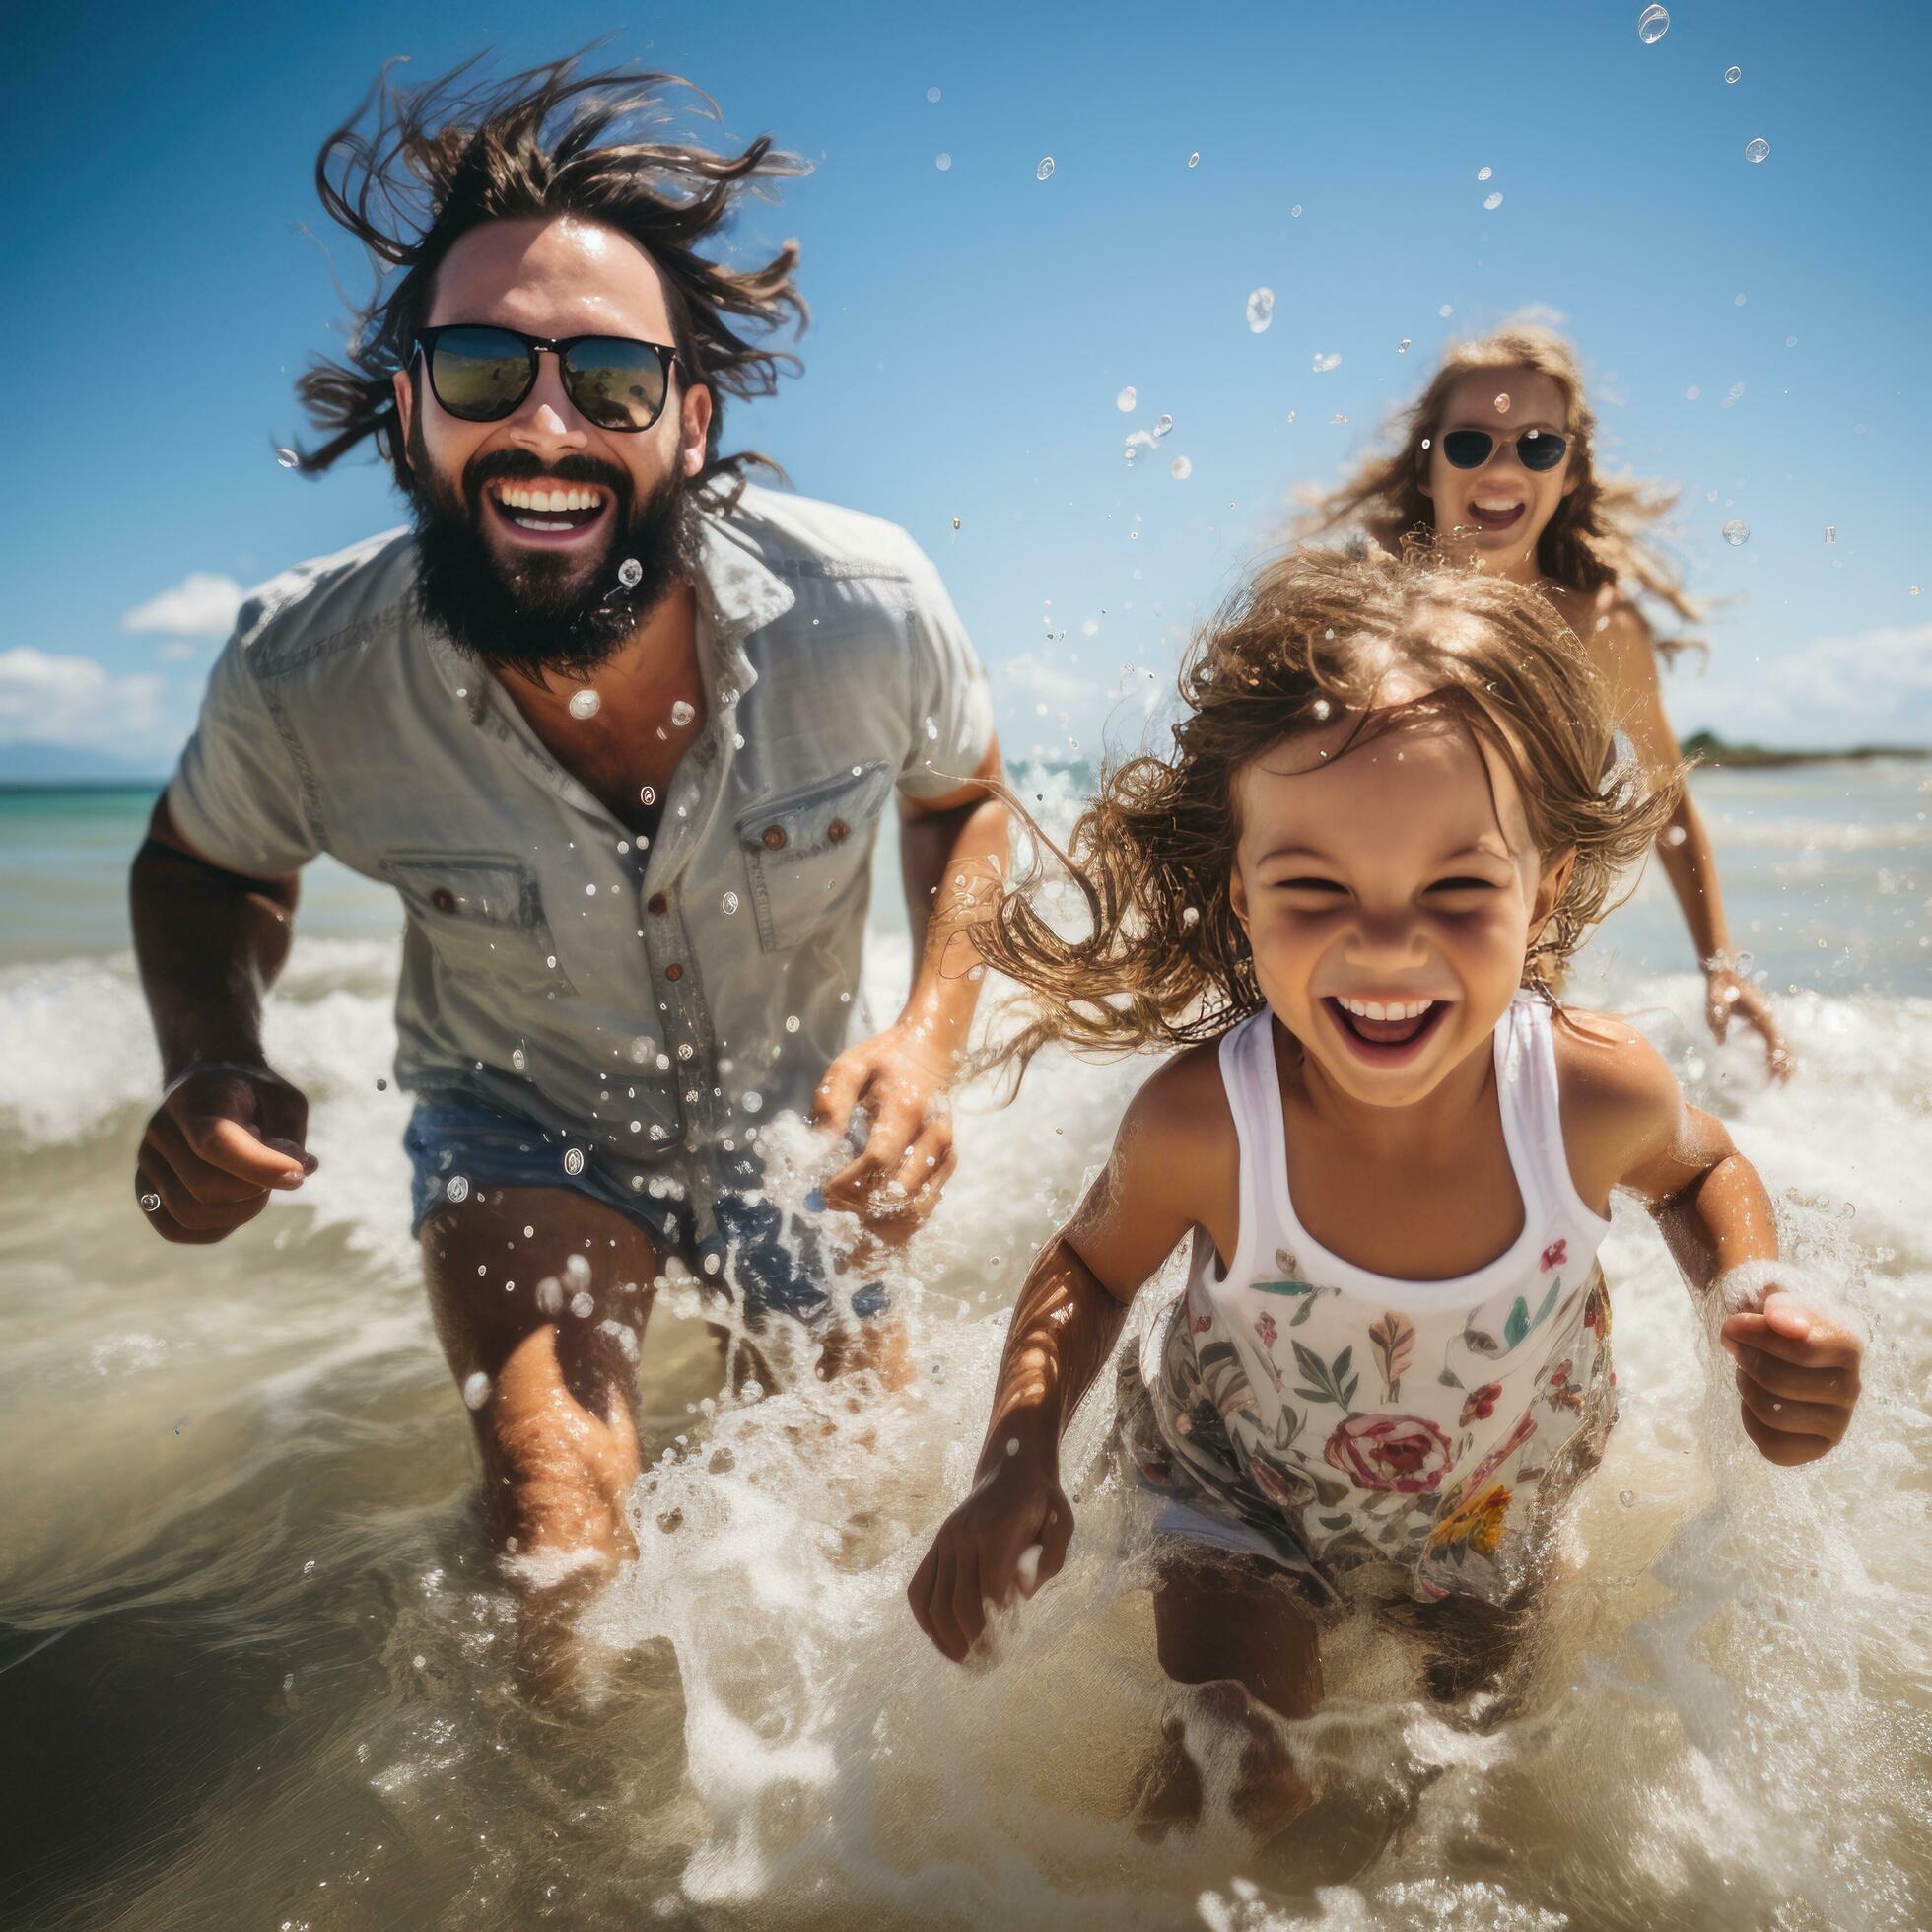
x=1365 y=1459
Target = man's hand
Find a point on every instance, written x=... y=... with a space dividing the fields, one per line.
x=976 y=1559
x=903 y=1083
x=1729 y=995
x=1797 y=1377
x=223 y=1135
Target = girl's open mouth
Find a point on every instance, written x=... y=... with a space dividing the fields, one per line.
x=552 y=518
x=1385 y=1034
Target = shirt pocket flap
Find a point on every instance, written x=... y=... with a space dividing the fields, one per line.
x=482 y=913
x=821 y=817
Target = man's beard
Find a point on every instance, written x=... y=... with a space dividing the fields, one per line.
x=545 y=611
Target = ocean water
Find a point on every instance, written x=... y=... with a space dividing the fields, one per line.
x=258 y=1668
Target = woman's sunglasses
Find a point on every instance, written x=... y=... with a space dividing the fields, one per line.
x=481 y=373
x=1535 y=448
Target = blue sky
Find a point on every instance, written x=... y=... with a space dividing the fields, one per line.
x=973 y=326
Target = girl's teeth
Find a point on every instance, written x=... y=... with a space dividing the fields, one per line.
x=1387 y=1010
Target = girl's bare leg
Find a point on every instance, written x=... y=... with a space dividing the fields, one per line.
x=1233 y=1626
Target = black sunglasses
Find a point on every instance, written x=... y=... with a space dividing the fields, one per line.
x=1535 y=448
x=481 y=373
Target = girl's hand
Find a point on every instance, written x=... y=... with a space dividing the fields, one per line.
x=1729 y=995
x=976 y=1559
x=1797 y=1376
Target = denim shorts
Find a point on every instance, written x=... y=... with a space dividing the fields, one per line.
x=758 y=1253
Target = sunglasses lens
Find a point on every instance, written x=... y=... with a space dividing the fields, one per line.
x=479 y=374
x=1539 y=449
x=1468 y=449
x=618 y=385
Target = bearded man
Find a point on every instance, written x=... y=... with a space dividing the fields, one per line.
x=619 y=729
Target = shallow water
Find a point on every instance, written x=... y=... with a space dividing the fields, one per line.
x=256 y=1666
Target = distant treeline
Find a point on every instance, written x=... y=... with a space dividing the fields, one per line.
x=1712 y=750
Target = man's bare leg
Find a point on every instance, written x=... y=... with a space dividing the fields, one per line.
x=557 y=1424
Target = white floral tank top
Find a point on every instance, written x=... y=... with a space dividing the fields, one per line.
x=1434 y=1425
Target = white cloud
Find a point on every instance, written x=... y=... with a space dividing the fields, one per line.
x=202 y=605
x=1873 y=686
x=51 y=699
x=1536 y=314
x=1036 y=678
x=178 y=650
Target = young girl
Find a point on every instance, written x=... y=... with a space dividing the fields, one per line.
x=1497 y=467
x=1391 y=814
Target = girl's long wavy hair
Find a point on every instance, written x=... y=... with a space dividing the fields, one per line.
x=438 y=161
x=1601 y=531
x=1317 y=635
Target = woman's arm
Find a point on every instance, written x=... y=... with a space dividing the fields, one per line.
x=1627 y=653
x=1064 y=1325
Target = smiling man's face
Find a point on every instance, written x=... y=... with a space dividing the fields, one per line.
x=523 y=524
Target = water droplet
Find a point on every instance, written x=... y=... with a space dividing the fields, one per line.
x=456 y=1187
x=647 y=795
x=573 y=1160
x=1194 y=159
x=1162 y=424
x=151 y=1203
x=1338 y=417
x=1426 y=443
x=1296 y=209
x=1502 y=408
x=476 y=1389
x=1044 y=173
x=1626 y=1497
x=1189 y=915
x=1261 y=310
x=1446 y=310
x=751 y=1102
x=1483 y=174
x=1790 y=341
x=1733 y=75
x=1492 y=201
x=1180 y=470
x=518 y=1057
x=1126 y=399
x=1757 y=150
x=942 y=163
x=1736 y=532
x=1402 y=347
x=1321 y=708
x=1831 y=534
x=287 y=459
x=1652 y=24
x=584 y=704
x=630 y=573
x=583 y=1306
x=956 y=522
x=682 y=713
x=932 y=94
x=1324 y=363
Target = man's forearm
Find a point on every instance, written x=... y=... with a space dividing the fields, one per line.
x=209 y=945
x=953 y=864
x=1065 y=1326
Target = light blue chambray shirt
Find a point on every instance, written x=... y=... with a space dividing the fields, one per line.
x=650 y=1006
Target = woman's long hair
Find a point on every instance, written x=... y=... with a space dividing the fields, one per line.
x=1317 y=635
x=438 y=161
x=1600 y=533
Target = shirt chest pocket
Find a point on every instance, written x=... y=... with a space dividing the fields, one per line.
x=483 y=916
x=806 y=852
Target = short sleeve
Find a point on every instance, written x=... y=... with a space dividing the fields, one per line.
x=236 y=795
x=951 y=709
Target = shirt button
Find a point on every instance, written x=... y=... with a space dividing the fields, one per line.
x=836 y=830
x=442 y=899
x=657 y=904
x=774 y=836
x=673 y=971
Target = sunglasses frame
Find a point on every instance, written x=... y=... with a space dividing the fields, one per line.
x=534 y=347
x=1495 y=442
